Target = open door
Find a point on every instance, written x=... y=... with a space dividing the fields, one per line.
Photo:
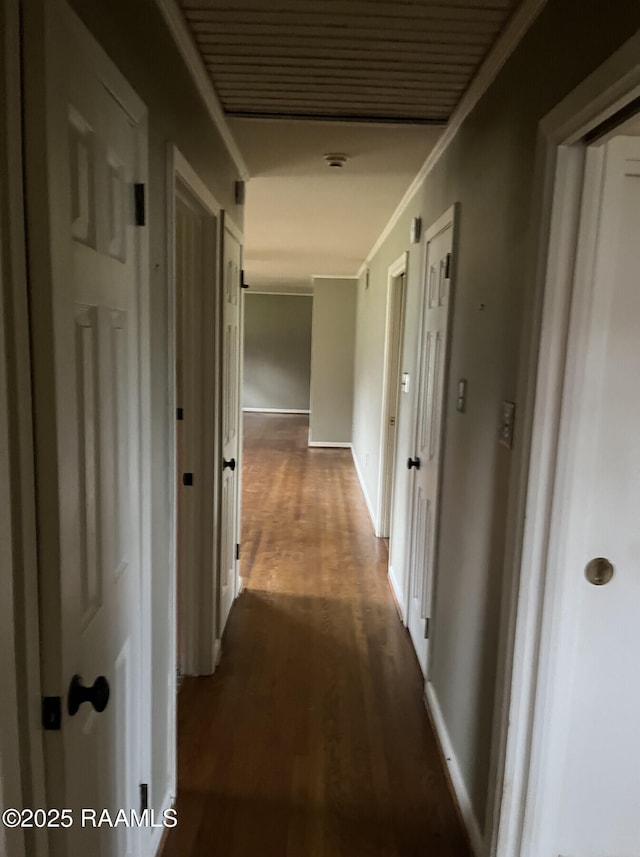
x=86 y=160
x=425 y=461
x=231 y=428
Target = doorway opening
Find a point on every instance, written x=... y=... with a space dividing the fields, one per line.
x=396 y=291
x=197 y=230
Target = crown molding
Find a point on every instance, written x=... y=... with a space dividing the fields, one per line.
x=507 y=42
x=181 y=33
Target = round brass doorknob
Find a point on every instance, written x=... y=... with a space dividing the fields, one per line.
x=599 y=571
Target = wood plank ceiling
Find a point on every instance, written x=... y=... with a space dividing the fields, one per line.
x=378 y=60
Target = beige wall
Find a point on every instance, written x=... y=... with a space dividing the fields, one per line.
x=488 y=170
x=332 y=357
x=277 y=351
x=136 y=38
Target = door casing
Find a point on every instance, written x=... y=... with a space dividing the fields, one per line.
x=388 y=457
x=21 y=750
x=11 y=841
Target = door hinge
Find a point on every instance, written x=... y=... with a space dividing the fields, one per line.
x=426 y=629
x=144 y=797
x=51 y=713
x=237 y=551
x=447 y=267
x=187 y=478
x=179 y=413
x=243 y=284
x=139 y=203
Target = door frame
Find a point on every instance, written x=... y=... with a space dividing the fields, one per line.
x=387 y=461
x=10 y=768
x=534 y=597
x=21 y=747
x=201 y=638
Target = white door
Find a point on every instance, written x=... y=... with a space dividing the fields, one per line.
x=230 y=499
x=592 y=743
x=426 y=456
x=86 y=274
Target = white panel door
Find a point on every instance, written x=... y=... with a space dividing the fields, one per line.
x=593 y=804
x=230 y=499
x=426 y=457
x=85 y=308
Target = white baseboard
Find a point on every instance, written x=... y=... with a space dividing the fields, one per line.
x=329 y=444
x=157 y=833
x=274 y=411
x=459 y=787
x=217 y=651
x=393 y=580
x=363 y=488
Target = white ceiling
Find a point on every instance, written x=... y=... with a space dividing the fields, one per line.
x=304 y=218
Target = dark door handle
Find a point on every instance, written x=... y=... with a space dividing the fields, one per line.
x=97 y=695
x=413 y=462
x=231 y=463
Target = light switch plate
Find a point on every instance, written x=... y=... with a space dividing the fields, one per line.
x=405 y=382
x=507 y=421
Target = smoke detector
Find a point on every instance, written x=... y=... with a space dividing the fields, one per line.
x=336 y=159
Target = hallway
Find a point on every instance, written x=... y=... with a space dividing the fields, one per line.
x=312 y=737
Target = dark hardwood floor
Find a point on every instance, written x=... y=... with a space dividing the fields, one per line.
x=312 y=739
